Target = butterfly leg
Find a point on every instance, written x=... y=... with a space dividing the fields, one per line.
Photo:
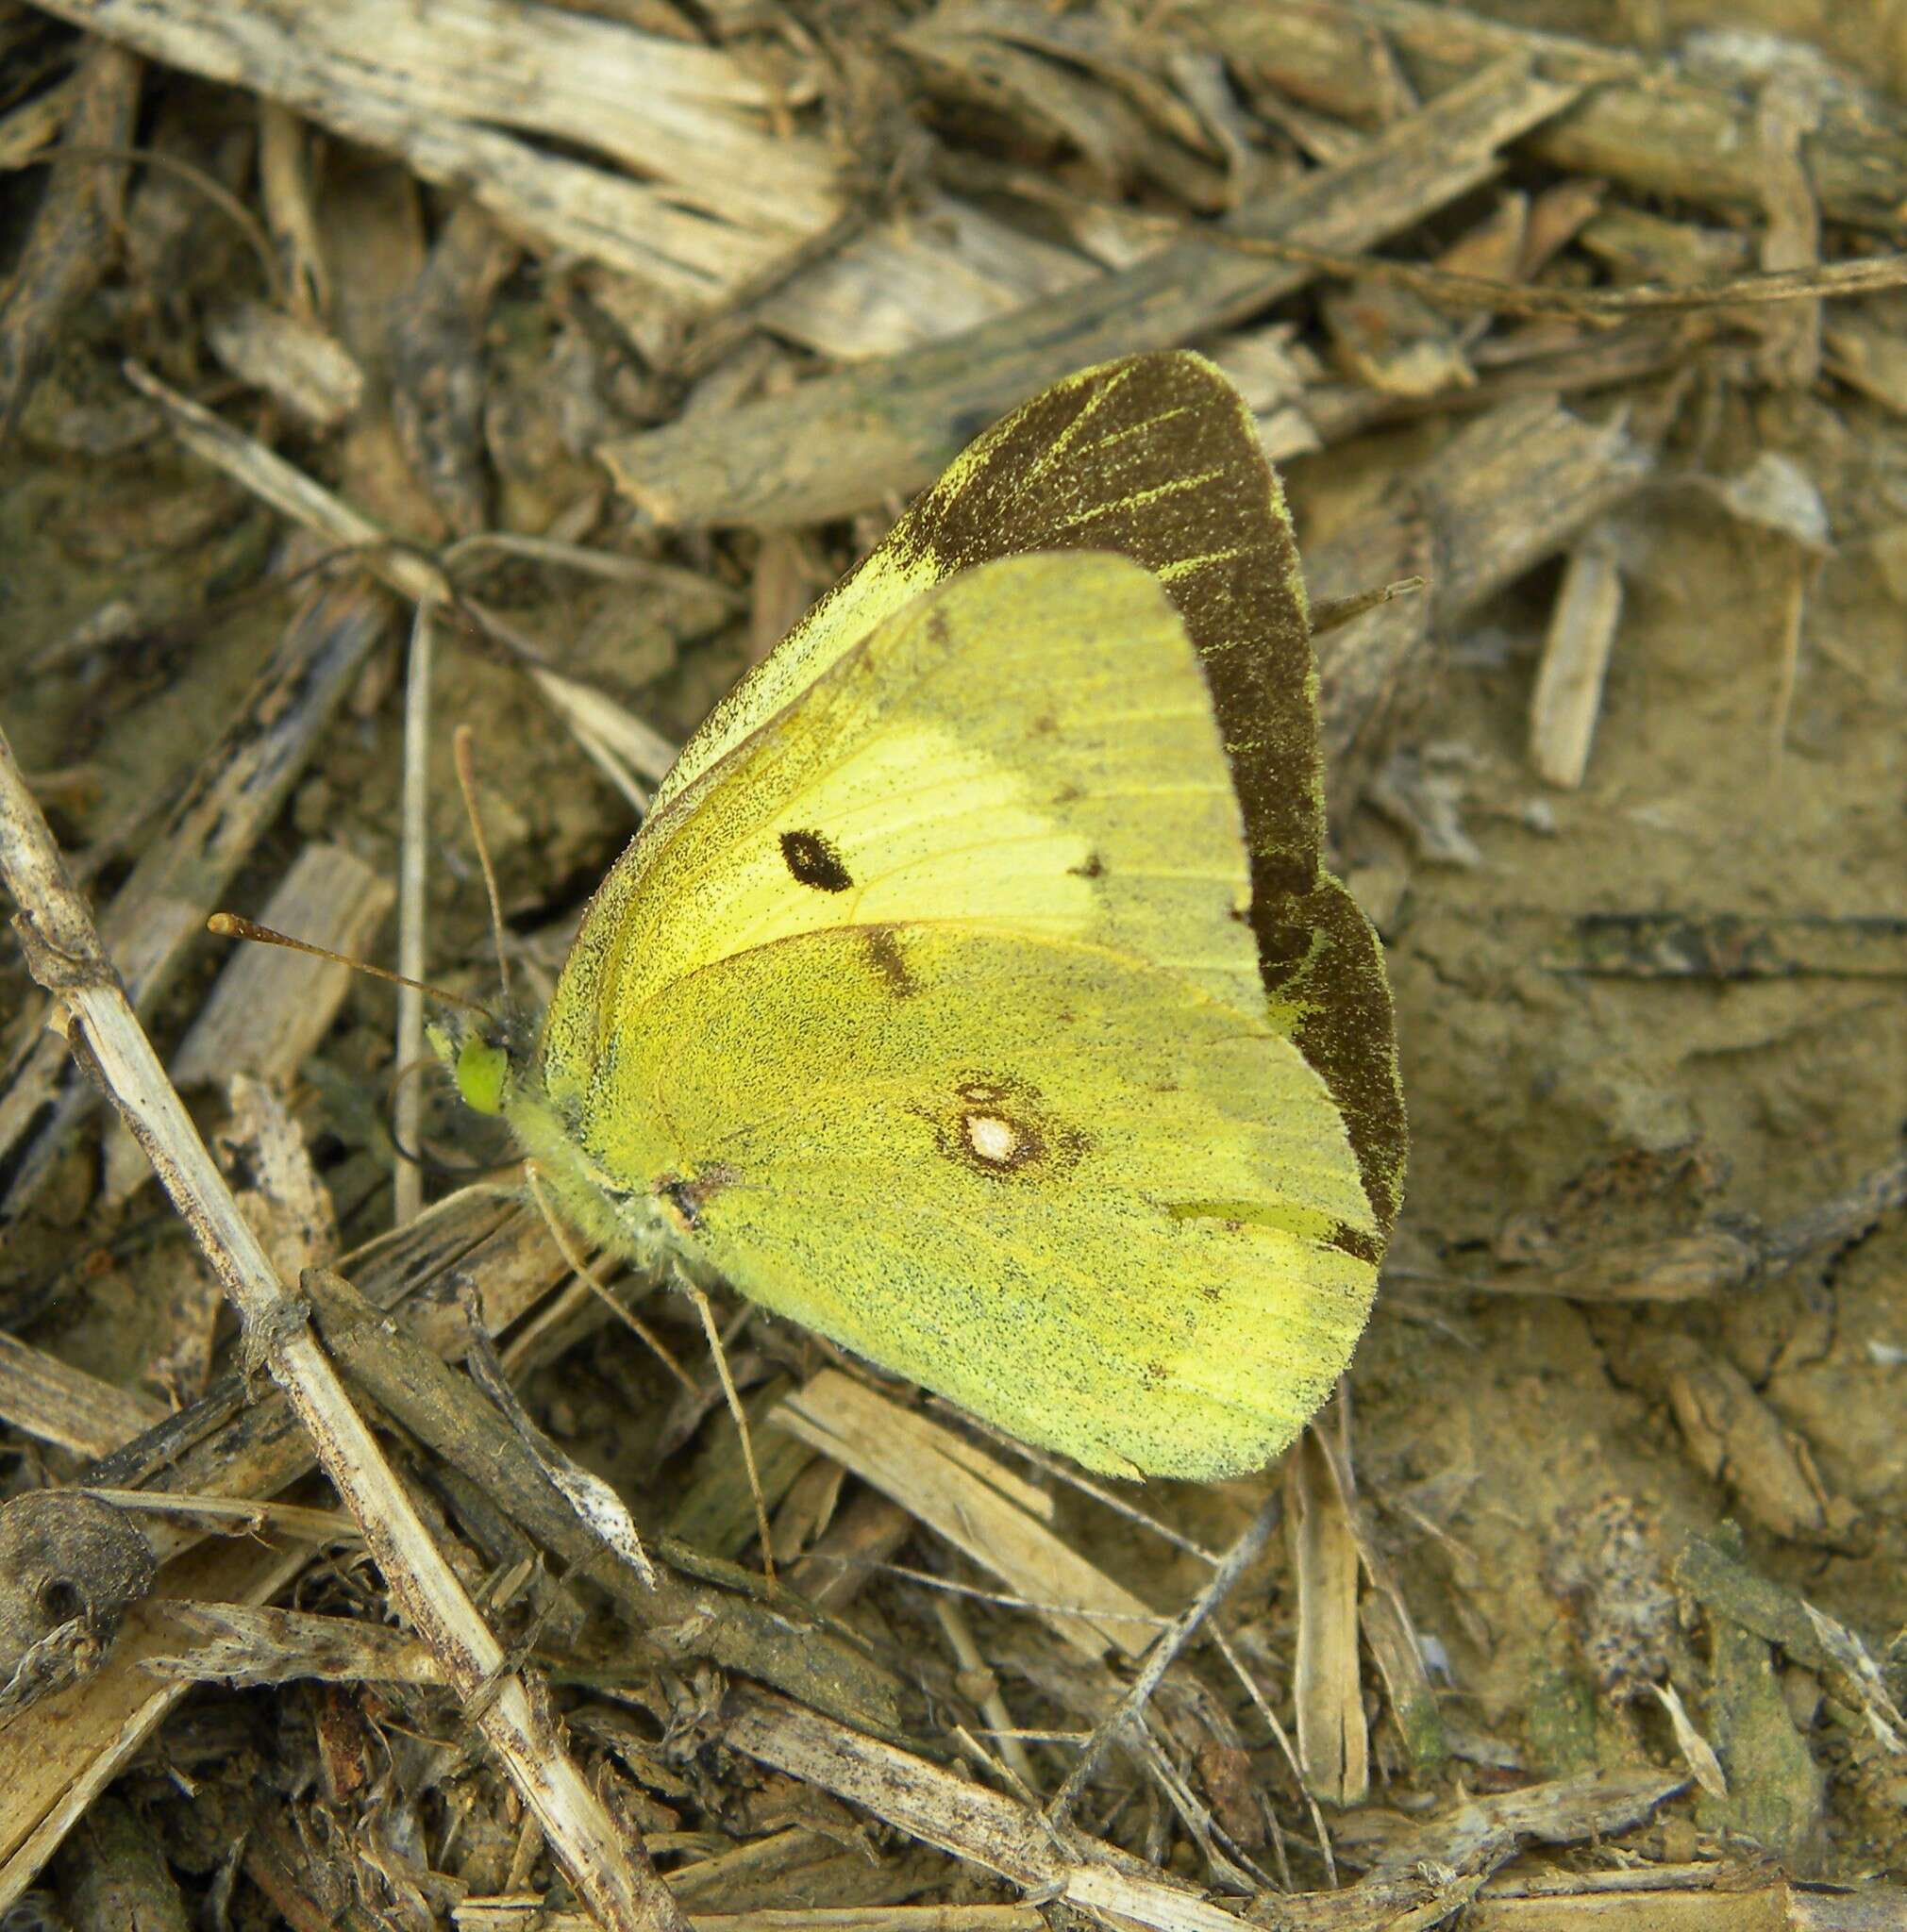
x=680 y=1279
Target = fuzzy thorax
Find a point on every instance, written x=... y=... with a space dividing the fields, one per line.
x=493 y=1065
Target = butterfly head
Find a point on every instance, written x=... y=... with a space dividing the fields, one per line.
x=485 y=1056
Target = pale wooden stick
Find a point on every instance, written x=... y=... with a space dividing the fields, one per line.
x=609 y=1867
x=289 y=194
x=610 y=735
x=1566 y=699
x=407 y=1185
x=952 y=1618
x=1334 y=1742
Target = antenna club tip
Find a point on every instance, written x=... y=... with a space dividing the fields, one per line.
x=230 y=926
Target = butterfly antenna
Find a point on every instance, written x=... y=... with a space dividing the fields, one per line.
x=234 y=925
x=721 y=1355
x=466 y=779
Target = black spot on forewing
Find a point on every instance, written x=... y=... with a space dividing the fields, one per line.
x=1094 y=867
x=813 y=860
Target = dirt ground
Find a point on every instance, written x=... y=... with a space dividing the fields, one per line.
x=1727 y=778
x=1662 y=1007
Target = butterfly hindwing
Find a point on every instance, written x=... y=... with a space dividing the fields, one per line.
x=1091 y=1211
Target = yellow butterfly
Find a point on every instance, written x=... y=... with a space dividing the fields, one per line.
x=973 y=993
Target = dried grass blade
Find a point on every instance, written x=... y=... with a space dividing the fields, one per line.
x=1332 y=1745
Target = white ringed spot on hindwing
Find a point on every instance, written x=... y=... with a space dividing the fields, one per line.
x=995 y=1124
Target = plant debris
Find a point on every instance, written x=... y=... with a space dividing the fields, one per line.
x=366 y=1565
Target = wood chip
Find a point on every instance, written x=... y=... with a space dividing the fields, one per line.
x=1734 y=1436
x=949 y=266
x=1696 y=1752
x=270 y=1006
x=1776 y=493
x=1865 y=346
x=1392 y=340
x=47 y=1399
x=1642 y=246
x=293 y=361
x=1567 y=696
x=1788 y=114
x=250 y=1645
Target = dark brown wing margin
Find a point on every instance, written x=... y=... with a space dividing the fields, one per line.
x=1157 y=457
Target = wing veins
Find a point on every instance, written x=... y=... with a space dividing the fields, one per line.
x=1157 y=493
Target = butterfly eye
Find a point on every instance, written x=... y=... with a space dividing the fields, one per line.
x=481 y=1071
